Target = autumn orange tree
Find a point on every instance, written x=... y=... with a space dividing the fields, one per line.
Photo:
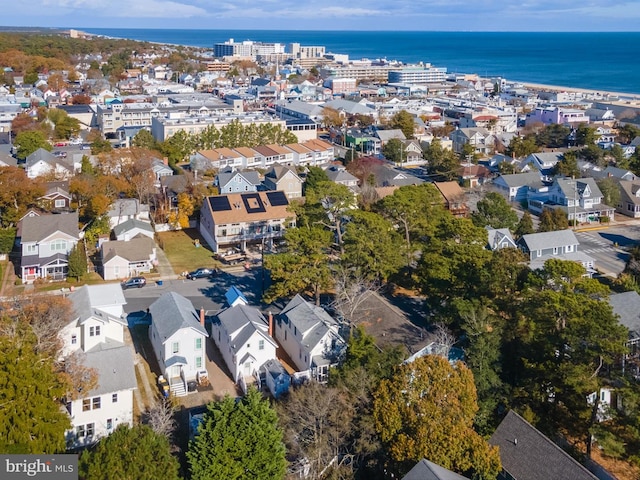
x=426 y=410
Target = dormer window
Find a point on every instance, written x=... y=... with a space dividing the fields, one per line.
x=31 y=249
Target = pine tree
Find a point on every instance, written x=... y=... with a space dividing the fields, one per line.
x=30 y=393
x=136 y=453
x=525 y=225
x=238 y=440
x=77 y=261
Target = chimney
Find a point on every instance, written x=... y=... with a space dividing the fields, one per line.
x=270 y=317
x=202 y=316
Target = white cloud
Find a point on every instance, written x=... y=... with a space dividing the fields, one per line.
x=129 y=9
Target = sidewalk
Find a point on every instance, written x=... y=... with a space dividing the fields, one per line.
x=165 y=270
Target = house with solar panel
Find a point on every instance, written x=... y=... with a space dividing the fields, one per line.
x=238 y=220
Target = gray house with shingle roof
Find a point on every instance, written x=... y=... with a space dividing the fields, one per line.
x=515 y=187
x=626 y=306
x=526 y=454
x=560 y=244
x=237 y=182
x=124 y=259
x=178 y=336
x=45 y=243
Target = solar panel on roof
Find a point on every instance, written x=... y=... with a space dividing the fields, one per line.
x=219 y=204
x=253 y=203
x=277 y=199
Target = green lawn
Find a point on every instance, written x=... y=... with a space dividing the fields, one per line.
x=179 y=246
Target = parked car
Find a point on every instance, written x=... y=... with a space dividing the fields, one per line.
x=201 y=273
x=85 y=146
x=60 y=144
x=60 y=154
x=134 y=282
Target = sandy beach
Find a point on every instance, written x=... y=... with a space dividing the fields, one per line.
x=600 y=93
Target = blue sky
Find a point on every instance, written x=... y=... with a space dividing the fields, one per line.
x=453 y=15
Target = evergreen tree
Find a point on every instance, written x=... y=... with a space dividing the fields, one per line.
x=494 y=211
x=238 y=440
x=404 y=121
x=77 y=261
x=130 y=453
x=29 y=141
x=32 y=420
x=525 y=225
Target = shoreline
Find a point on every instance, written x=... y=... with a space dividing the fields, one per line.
x=564 y=88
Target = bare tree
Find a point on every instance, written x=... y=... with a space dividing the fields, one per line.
x=317 y=422
x=160 y=417
x=352 y=288
x=444 y=339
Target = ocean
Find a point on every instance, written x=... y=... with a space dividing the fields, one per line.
x=596 y=61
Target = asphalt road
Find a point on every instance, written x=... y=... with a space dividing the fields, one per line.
x=609 y=246
x=204 y=292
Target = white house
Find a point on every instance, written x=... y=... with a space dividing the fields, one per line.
x=122 y=259
x=177 y=334
x=124 y=209
x=310 y=336
x=95 y=335
x=243 y=337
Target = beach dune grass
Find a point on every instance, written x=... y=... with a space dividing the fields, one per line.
x=182 y=252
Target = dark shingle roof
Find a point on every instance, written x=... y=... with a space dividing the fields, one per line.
x=172 y=312
x=426 y=470
x=526 y=454
x=40 y=227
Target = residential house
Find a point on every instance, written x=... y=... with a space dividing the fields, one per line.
x=629 y=198
x=426 y=470
x=42 y=162
x=614 y=172
x=161 y=169
x=626 y=306
x=515 y=187
x=46 y=241
x=580 y=199
x=473 y=175
x=95 y=338
x=481 y=139
x=7 y=160
x=561 y=244
x=454 y=198
x=267 y=155
x=240 y=219
x=132 y=228
x=171 y=187
x=235 y=181
x=124 y=209
x=56 y=198
x=499 y=238
x=244 y=337
x=543 y=162
x=124 y=259
x=276 y=377
x=338 y=174
x=387 y=176
x=385 y=135
x=557 y=115
x=178 y=335
x=208 y=160
x=411 y=153
x=526 y=454
x=285 y=179
x=311 y=338
x=323 y=152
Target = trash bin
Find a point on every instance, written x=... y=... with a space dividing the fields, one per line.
x=159 y=282
x=191 y=386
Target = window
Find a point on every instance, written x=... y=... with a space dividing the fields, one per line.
x=59 y=246
x=74 y=339
x=114 y=398
x=109 y=423
x=90 y=429
x=260 y=344
x=94 y=331
x=198 y=344
x=96 y=403
x=31 y=249
x=86 y=404
x=248 y=345
x=198 y=362
x=555 y=250
x=80 y=432
x=175 y=347
x=285 y=335
x=59 y=203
